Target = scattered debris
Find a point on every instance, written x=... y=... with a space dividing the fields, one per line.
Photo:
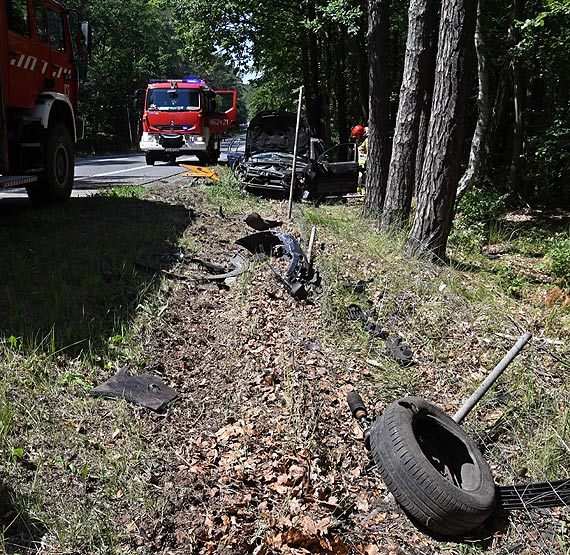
x=301 y=278
x=399 y=351
x=355 y=312
x=145 y=390
x=255 y=221
x=240 y=264
x=543 y=494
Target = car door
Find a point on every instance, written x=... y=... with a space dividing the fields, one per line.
x=337 y=170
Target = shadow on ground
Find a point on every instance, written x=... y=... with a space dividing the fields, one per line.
x=18 y=530
x=69 y=277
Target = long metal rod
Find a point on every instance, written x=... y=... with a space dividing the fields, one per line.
x=491 y=378
x=291 y=189
x=310 y=247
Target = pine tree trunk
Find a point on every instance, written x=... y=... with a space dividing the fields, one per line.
x=440 y=172
x=401 y=175
x=378 y=158
x=479 y=143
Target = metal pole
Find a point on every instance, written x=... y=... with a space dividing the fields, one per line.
x=491 y=378
x=311 y=241
x=295 y=153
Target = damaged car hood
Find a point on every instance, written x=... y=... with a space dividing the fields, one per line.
x=273 y=131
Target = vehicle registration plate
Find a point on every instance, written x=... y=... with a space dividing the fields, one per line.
x=171 y=150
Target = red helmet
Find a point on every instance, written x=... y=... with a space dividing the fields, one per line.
x=358 y=132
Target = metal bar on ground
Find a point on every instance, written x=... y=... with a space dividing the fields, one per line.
x=310 y=247
x=290 y=210
x=491 y=378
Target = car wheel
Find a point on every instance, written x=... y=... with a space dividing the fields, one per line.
x=431 y=466
x=149 y=158
x=56 y=181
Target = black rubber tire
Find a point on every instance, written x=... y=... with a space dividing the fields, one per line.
x=408 y=440
x=56 y=181
x=149 y=158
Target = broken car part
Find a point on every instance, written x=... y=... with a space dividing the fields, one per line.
x=255 y=221
x=300 y=275
x=360 y=414
x=491 y=378
x=240 y=264
x=543 y=494
x=432 y=467
x=356 y=312
x=145 y=390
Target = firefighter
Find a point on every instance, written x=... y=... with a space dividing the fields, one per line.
x=359 y=135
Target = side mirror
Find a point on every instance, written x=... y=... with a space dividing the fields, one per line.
x=86 y=37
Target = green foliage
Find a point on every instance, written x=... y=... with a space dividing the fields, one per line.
x=559 y=259
x=482 y=205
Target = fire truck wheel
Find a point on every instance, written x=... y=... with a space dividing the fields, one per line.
x=149 y=157
x=56 y=181
x=432 y=467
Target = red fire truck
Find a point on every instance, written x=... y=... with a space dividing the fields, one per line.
x=40 y=59
x=185 y=116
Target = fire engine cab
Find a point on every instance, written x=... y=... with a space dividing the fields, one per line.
x=40 y=59
x=185 y=116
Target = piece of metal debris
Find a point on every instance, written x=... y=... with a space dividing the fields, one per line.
x=145 y=390
x=301 y=278
x=255 y=221
x=544 y=494
x=240 y=265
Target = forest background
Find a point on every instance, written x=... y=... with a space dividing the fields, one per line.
x=380 y=63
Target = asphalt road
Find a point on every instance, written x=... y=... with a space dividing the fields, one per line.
x=95 y=173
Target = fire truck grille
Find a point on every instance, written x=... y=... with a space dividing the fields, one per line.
x=171 y=141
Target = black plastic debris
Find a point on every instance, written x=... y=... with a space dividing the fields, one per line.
x=543 y=494
x=145 y=390
x=356 y=312
x=301 y=279
x=255 y=221
x=399 y=350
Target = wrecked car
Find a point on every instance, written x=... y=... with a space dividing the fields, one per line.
x=267 y=163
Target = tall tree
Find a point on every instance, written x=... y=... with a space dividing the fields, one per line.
x=440 y=172
x=479 y=144
x=378 y=158
x=418 y=69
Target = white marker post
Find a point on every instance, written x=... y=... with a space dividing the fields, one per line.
x=295 y=153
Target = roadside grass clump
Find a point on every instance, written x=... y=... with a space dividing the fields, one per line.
x=558 y=255
x=227 y=194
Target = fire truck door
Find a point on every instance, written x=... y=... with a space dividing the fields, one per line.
x=225 y=114
x=61 y=53
x=28 y=51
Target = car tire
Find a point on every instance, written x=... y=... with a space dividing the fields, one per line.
x=149 y=158
x=56 y=181
x=434 y=470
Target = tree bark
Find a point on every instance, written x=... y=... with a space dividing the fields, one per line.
x=479 y=143
x=518 y=103
x=401 y=175
x=440 y=172
x=378 y=158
